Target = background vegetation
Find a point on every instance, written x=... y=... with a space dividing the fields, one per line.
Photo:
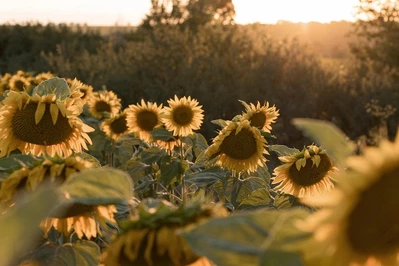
x=342 y=72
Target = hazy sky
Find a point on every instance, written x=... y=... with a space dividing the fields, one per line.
x=131 y=12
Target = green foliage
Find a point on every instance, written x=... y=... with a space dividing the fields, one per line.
x=99 y=186
x=32 y=208
x=330 y=137
x=57 y=86
x=247 y=238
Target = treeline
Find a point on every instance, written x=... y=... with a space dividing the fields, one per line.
x=218 y=65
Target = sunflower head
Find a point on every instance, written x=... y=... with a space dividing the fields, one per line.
x=260 y=116
x=45 y=122
x=82 y=218
x=143 y=118
x=102 y=102
x=151 y=237
x=19 y=83
x=5 y=83
x=39 y=78
x=182 y=116
x=81 y=90
x=115 y=126
x=306 y=173
x=359 y=223
x=239 y=147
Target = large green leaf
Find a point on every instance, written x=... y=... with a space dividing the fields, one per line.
x=172 y=168
x=57 y=86
x=20 y=224
x=207 y=177
x=81 y=253
x=243 y=238
x=329 y=136
x=282 y=150
x=99 y=186
x=152 y=155
x=161 y=134
x=14 y=162
x=259 y=198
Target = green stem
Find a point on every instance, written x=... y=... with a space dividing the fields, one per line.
x=182 y=181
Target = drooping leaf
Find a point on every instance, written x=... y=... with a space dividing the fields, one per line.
x=329 y=136
x=99 y=186
x=83 y=252
x=14 y=162
x=282 y=150
x=259 y=198
x=220 y=122
x=161 y=134
x=152 y=155
x=57 y=86
x=240 y=239
x=171 y=169
x=207 y=177
x=20 y=224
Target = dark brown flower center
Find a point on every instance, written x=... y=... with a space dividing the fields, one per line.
x=183 y=115
x=147 y=120
x=373 y=224
x=102 y=106
x=310 y=174
x=258 y=120
x=119 y=125
x=241 y=146
x=45 y=132
x=19 y=85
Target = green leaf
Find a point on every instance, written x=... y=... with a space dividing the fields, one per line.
x=286 y=201
x=220 y=122
x=81 y=253
x=280 y=258
x=20 y=224
x=152 y=155
x=171 y=169
x=161 y=134
x=57 y=86
x=256 y=199
x=199 y=144
x=99 y=186
x=329 y=136
x=242 y=238
x=90 y=158
x=15 y=162
x=207 y=177
x=282 y=150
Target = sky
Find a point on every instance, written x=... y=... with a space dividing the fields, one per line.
x=131 y=12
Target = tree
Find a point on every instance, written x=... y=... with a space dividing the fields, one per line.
x=377 y=30
x=189 y=13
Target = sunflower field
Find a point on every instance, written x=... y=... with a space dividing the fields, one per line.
x=85 y=182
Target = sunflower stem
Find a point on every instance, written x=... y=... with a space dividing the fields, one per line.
x=182 y=181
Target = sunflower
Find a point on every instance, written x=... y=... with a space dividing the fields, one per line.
x=306 y=173
x=151 y=238
x=183 y=116
x=5 y=83
x=19 y=83
x=41 y=125
x=115 y=126
x=260 y=116
x=142 y=119
x=169 y=144
x=79 y=217
x=104 y=101
x=86 y=90
x=239 y=147
x=36 y=80
x=359 y=224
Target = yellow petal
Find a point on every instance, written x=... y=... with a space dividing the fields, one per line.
x=298 y=164
x=41 y=108
x=54 y=112
x=316 y=160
